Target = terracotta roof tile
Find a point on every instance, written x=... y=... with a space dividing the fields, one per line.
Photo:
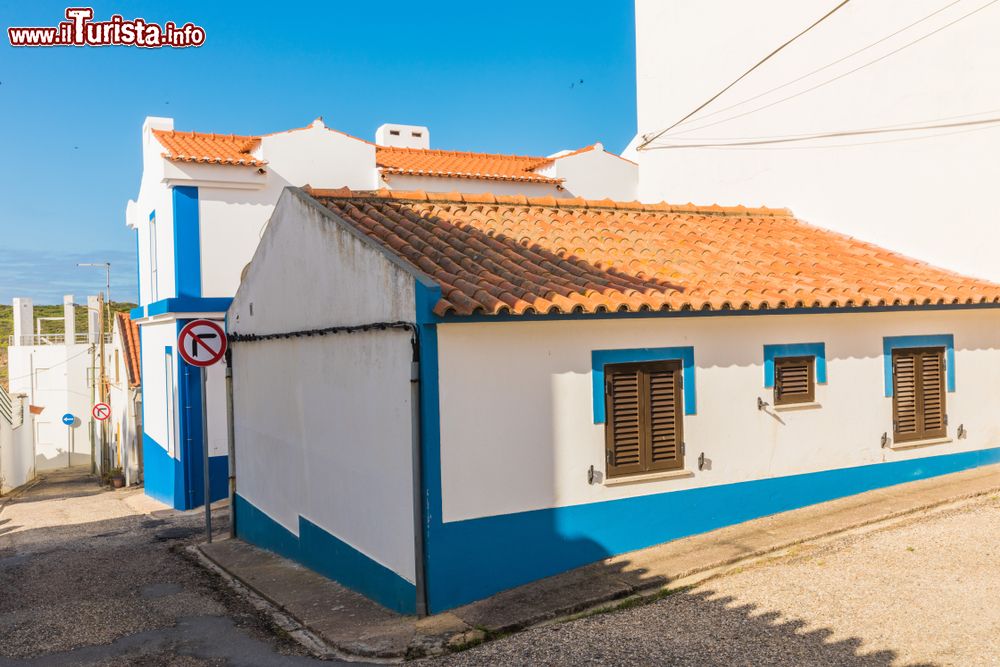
x=130 y=340
x=511 y=254
x=460 y=164
x=211 y=148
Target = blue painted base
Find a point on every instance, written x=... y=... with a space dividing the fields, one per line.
x=320 y=551
x=470 y=560
x=163 y=477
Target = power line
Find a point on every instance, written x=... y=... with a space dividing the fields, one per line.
x=829 y=65
x=906 y=125
x=839 y=76
x=854 y=144
x=833 y=135
x=61 y=363
x=648 y=140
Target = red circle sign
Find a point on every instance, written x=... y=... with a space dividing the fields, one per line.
x=201 y=343
x=101 y=411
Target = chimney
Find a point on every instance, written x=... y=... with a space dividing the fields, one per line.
x=24 y=317
x=69 y=315
x=403 y=136
x=93 y=330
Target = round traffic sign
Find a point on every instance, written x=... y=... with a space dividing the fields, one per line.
x=101 y=411
x=201 y=343
x=69 y=419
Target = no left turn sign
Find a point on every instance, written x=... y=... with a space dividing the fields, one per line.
x=201 y=343
x=101 y=411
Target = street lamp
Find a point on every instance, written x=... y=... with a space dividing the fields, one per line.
x=107 y=267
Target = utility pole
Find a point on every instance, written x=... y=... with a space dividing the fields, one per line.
x=104 y=322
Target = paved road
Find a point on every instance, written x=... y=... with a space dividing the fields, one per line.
x=922 y=592
x=91 y=577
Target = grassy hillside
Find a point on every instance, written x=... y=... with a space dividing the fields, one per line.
x=7 y=326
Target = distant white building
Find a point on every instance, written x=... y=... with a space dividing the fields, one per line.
x=54 y=371
x=125 y=398
x=869 y=66
x=203 y=203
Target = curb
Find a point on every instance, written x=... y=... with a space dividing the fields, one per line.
x=470 y=637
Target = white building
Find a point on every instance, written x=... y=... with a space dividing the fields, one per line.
x=203 y=203
x=55 y=373
x=471 y=392
x=868 y=66
x=17 y=446
x=125 y=399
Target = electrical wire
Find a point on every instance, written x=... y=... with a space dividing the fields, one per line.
x=306 y=333
x=833 y=135
x=61 y=363
x=836 y=78
x=854 y=144
x=648 y=140
x=827 y=66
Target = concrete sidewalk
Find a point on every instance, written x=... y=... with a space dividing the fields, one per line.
x=352 y=624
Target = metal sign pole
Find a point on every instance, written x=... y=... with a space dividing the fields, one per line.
x=204 y=449
x=69 y=446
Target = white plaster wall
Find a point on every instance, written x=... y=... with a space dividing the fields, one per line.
x=156 y=337
x=929 y=198
x=473 y=186
x=522 y=436
x=17 y=458
x=154 y=195
x=55 y=378
x=323 y=423
x=597 y=174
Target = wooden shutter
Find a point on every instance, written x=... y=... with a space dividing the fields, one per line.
x=665 y=416
x=918 y=394
x=644 y=413
x=794 y=380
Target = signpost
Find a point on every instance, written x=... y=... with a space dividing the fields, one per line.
x=69 y=419
x=202 y=343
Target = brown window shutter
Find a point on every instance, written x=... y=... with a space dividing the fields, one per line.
x=933 y=393
x=918 y=394
x=794 y=380
x=623 y=433
x=644 y=415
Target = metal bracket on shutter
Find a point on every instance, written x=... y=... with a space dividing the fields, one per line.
x=683 y=448
x=946 y=420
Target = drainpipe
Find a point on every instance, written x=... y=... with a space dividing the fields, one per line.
x=231 y=442
x=416 y=453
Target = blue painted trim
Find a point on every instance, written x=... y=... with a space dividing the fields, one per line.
x=598 y=359
x=947 y=341
x=187 y=242
x=817 y=350
x=469 y=319
x=320 y=551
x=183 y=305
x=484 y=556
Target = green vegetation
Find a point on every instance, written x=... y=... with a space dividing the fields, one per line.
x=7 y=326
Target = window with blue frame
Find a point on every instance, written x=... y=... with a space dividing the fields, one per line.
x=793 y=370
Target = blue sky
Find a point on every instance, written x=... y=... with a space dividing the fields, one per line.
x=500 y=77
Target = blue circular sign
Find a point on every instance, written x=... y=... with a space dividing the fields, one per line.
x=68 y=419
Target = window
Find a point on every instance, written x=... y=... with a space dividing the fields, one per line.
x=794 y=380
x=918 y=394
x=644 y=426
x=169 y=372
x=153 y=287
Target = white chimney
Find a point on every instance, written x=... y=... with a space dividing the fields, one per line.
x=24 y=317
x=93 y=308
x=403 y=136
x=69 y=315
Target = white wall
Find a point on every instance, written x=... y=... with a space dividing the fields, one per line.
x=323 y=423
x=472 y=186
x=597 y=174
x=928 y=198
x=522 y=437
x=156 y=337
x=55 y=378
x=17 y=458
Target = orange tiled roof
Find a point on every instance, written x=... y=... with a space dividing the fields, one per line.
x=497 y=255
x=214 y=148
x=461 y=164
x=130 y=341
